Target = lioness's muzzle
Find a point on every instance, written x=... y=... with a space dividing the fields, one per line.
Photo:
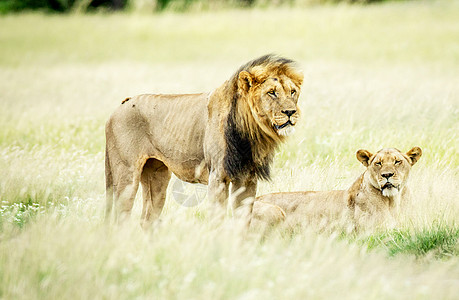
x=388 y=185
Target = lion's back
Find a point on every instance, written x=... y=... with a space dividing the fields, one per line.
x=165 y=127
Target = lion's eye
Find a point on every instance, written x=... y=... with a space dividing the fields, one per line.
x=397 y=162
x=293 y=92
x=272 y=93
x=378 y=163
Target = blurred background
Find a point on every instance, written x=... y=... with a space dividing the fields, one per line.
x=154 y=5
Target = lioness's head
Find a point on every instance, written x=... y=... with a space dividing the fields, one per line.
x=389 y=168
x=270 y=86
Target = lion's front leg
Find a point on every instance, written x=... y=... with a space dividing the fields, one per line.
x=243 y=194
x=218 y=189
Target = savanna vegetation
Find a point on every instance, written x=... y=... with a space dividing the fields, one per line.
x=66 y=6
x=383 y=75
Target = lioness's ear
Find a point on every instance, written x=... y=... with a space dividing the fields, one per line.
x=245 y=81
x=414 y=154
x=364 y=157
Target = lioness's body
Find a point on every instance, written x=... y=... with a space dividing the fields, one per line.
x=366 y=203
x=227 y=136
x=301 y=206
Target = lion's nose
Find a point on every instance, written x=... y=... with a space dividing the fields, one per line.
x=289 y=112
x=387 y=175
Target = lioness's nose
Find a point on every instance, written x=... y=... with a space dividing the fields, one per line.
x=387 y=175
x=289 y=112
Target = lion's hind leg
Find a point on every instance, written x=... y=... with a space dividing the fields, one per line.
x=121 y=184
x=108 y=188
x=125 y=185
x=154 y=179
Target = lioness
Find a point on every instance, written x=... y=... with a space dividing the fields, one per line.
x=215 y=138
x=375 y=198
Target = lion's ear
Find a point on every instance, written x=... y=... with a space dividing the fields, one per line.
x=364 y=157
x=245 y=81
x=414 y=154
x=299 y=78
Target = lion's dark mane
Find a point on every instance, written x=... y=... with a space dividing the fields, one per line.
x=241 y=150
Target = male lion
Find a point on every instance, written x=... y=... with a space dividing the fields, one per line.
x=229 y=135
x=374 y=199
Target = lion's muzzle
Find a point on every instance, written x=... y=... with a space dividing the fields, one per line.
x=289 y=112
x=284 y=123
x=278 y=127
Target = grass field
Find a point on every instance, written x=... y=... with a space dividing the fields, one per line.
x=376 y=76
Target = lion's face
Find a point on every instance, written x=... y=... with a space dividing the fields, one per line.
x=273 y=103
x=389 y=168
x=277 y=104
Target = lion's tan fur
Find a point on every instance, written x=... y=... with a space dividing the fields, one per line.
x=198 y=137
x=363 y=205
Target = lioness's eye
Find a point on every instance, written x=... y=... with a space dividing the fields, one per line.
x=378 y=163
x=272 y=93
x=293 y=92
x=398 y=162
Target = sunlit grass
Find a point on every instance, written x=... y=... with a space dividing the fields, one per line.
x=66 y=257
x=375 y=76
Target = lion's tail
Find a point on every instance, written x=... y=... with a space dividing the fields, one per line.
x=108 y=187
